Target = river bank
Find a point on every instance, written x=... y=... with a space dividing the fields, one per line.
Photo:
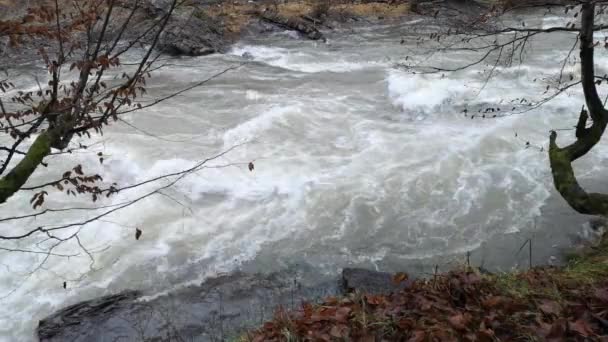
x=217 y=310
x=203 y=27
x=464 y=303
x=545 y=303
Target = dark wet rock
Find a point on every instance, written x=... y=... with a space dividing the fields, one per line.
x=192 y=33
x=189 y=32
x=95 y=310
x=213 y=311
x=598 y=224
x=3 y=45
x=158 y=7
x=216 y=310
x=358 y=279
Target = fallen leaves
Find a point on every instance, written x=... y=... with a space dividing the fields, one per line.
x=602 y=295
x=550 y=307
x=339 y=331
x=459 y=321
x=582 y=327
x=492 y=302
x=456 y=306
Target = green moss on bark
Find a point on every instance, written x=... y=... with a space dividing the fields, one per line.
x=14 y=180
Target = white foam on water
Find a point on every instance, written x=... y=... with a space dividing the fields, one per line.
x=253 y=95
x=424 y=93
x=256 y=126
x=300 y=61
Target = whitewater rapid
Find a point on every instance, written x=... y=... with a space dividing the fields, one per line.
x=357 y=163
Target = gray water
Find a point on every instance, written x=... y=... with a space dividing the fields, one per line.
x=357 y=163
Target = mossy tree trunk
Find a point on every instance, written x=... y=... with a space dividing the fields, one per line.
x=14 y=180
x=85 y=104
x=561 y=158
x=56 y=137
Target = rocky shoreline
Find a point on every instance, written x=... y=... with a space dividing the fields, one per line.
x=215 y=310
x=208 y=27
x=204 y=27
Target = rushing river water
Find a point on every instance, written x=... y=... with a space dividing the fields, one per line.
x=356 y=163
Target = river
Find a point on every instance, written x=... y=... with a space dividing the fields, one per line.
x=357 y=163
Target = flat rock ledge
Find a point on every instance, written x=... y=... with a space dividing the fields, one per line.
x=216 y=310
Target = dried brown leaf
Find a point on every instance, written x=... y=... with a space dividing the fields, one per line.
x=550 y=307
x=417 y=336
x=582 y=327
x=339 y=331
x=458 y=321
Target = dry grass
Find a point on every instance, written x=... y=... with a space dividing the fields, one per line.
x=296 y=9
x=375 y=9
x=233 y=16
x=236 y=15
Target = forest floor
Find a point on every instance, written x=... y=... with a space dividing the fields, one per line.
x=568 y=303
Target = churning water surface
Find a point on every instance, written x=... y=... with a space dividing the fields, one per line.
x=357 y=162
